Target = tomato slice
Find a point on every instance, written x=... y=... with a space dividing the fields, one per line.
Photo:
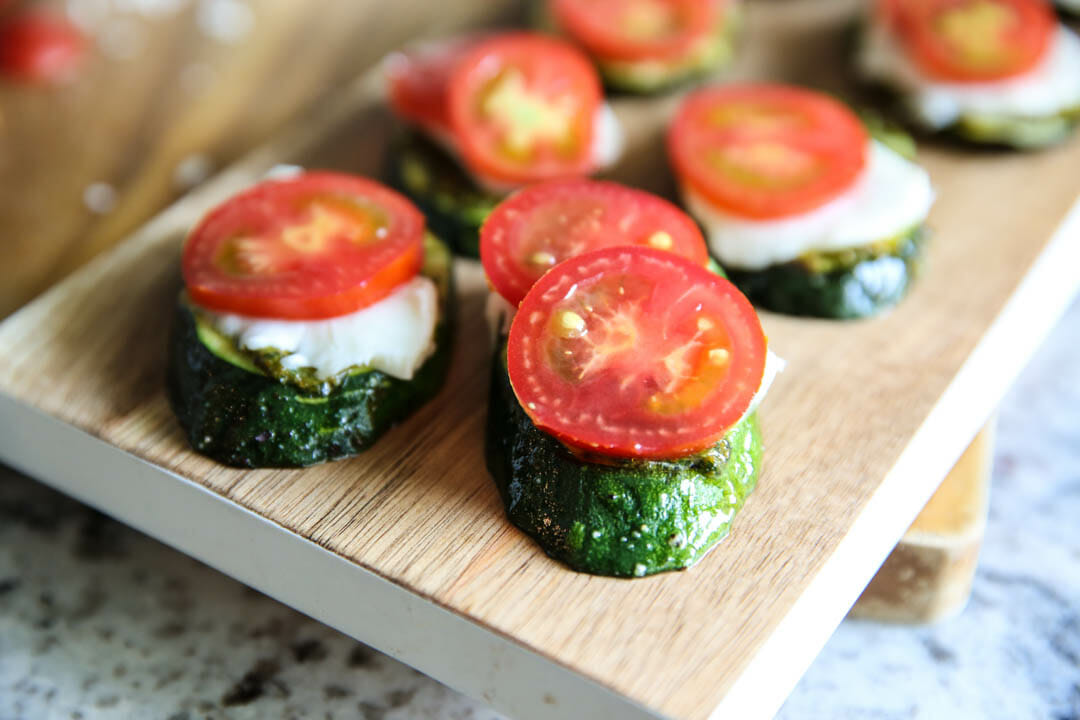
x=766 y=151
x=973 y=40
x=542 y=225
x=417 y=80
x=638 y=29
x=522 y=107
x=314 y=246
x=39 y=46
x=634 y=352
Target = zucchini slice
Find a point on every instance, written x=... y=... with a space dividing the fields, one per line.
x=619 y=518
x=239 y=414
x=454 y=205
x=842 y=284
x=1018 y=133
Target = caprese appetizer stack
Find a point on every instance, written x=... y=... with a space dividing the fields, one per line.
x=806 y=212
x=497 y=113
x=1000 y=72
x=648 y=45
x=316 y=314
x=621 y=432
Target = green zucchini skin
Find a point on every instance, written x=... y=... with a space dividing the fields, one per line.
x=871 y=284
x=249 y=419
x=454 y=206
x=889 y=133
x=1016 y=133
x=628 y=519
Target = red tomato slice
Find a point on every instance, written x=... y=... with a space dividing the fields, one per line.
x=37 y=46
x=635 y=352
x=766 y=151
x=542 y=225
x=522 y=107
x=418 y=78
x=973 y=40
x=638 y=29
x=314 y=246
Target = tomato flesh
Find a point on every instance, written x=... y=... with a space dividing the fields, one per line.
x=634 y=352
x=418 y=79
x=314 y=246
x=631 y=30
x=766 y=151
x=542 y=225
x=522 y=107
x=36 y=46
x=973 y=40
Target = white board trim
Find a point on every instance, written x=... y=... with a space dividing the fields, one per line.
x=195 y=520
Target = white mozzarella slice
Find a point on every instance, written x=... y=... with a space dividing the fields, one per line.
x=1049 y=88
x=607 y=138
x=890 y=196
x=394 y=335
x=774 y=365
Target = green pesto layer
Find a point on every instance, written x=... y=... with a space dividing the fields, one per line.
x=842 y=284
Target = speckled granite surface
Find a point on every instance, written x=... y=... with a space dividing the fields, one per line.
x=100 y=622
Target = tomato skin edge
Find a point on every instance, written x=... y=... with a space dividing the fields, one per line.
x=914 y=27
x=508 y=283
x=847 y=161
x=38 y=46
x=630 y=449
x=460 y=104
x=344 y=301
x=406 y=265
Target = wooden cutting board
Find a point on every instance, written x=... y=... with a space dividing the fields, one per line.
x=406 y=547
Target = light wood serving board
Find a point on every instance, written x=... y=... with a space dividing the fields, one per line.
x=407 y=547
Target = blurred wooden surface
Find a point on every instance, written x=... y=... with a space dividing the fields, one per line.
x=172 y=90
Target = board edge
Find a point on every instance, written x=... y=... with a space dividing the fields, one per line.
x=297 y=572
x=963 y=408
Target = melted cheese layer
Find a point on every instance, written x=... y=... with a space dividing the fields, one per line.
x=395 y=335
x=1051 y=87
x=890 y=196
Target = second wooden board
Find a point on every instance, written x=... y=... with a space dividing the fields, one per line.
x=864 y=423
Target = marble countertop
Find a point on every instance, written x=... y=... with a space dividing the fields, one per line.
x=99 y=622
